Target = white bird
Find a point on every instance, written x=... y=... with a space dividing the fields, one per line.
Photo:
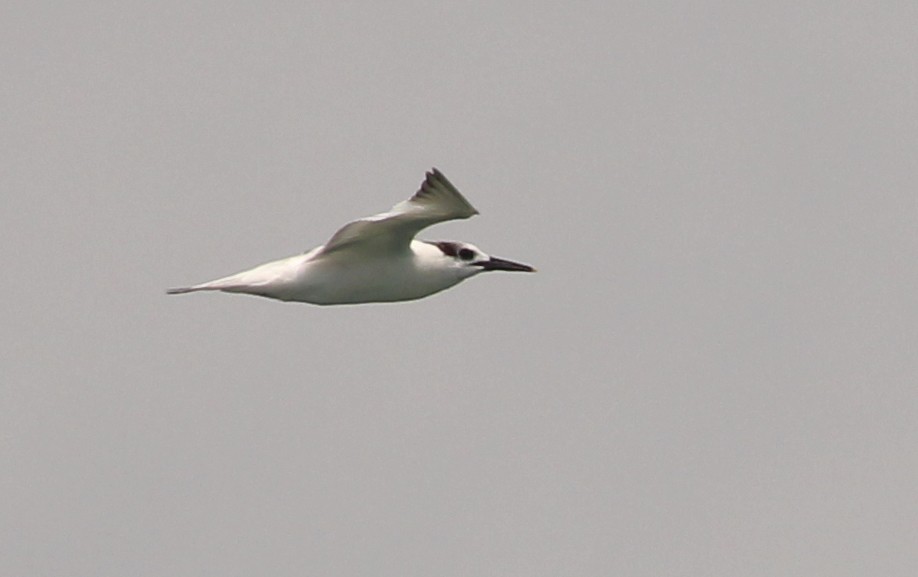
x=375 y=259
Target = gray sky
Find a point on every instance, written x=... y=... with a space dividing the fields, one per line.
x=713 y=373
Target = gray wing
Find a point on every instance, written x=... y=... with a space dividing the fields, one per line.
x=437 y=201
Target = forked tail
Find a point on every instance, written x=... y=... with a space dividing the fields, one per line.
x=257 y=281
x=216 y=285
x=187 y=289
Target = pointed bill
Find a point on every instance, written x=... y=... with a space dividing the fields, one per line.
x=495 y=263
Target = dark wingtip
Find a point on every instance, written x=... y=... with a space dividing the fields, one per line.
x=436 y=184
x=433 y=176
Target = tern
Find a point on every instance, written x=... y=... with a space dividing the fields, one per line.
x=375 y=259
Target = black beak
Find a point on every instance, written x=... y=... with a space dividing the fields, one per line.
x=495 y=263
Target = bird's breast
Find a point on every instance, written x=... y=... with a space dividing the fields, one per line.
x=352 y=281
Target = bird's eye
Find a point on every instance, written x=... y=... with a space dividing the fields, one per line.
x=466 y=254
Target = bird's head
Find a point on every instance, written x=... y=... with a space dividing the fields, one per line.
x=467 y=259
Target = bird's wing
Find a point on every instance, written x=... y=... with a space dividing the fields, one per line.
x=437 y=201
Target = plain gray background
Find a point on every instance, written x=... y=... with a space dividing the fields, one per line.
x=713 y=373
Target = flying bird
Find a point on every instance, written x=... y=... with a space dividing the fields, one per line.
x=376 y=258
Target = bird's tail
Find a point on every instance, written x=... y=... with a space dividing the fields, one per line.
x=237 y=283
x=229 y=284
x=189 y=289
x=256 y=281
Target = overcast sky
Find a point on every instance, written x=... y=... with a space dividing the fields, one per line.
x=713 y=373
